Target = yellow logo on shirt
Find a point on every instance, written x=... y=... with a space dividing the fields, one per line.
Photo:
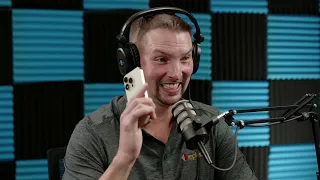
x=194 y=156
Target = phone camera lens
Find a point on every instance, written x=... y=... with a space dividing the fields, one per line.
x=127 y=86
x=130 y=80
x=125 y=80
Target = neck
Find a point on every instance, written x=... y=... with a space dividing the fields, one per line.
x=164 y=113
x=164 y=117
x=160 y=128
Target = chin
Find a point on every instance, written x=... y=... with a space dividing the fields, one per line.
x=170 y=100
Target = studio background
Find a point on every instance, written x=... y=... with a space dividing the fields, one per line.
x=57 y=64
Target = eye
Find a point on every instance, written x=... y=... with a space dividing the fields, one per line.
x=161 y=59
x=186 y=58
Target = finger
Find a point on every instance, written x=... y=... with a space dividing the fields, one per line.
x=153 y=114
x=147 y=119
x=144 y=121
x=139 y=94
x=137 y=101
x=139 y=117
x=140 y=114
x=133 y=112
x=141 y=91
x=141 y=110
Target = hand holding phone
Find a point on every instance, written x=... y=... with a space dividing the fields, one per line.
x=137 y=114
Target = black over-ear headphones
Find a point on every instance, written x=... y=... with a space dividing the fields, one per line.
x=127 y=53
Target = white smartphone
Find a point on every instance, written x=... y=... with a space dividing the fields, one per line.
x=133 y=82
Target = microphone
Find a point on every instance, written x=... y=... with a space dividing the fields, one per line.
x=193 y=129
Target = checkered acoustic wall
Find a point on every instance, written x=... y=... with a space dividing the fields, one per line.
x=57 y=64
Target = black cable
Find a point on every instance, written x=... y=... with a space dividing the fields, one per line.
x=207 y=156
x=198 y=160
x=198 y=167
x=204 y=151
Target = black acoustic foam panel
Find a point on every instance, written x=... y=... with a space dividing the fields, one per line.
x=45 y=115
x=48 y=4
x=8 y=170
x=287 y=92
x=200 y=91
x=297 y=7
x=200 y=6
x=257 y=158
x=238 y=46
x=5 y=46
x=100 y=31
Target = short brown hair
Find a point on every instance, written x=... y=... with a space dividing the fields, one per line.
x=166 y=21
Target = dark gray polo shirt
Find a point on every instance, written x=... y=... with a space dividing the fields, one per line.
x=94 y=143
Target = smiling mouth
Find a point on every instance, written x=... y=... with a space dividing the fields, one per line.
x=171 y=85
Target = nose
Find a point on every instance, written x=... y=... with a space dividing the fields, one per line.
x=174 y=71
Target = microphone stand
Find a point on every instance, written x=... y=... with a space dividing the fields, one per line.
x=290 y=114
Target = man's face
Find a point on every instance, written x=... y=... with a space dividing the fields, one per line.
x=166 y=59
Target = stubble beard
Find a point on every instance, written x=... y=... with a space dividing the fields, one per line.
x=163 y=101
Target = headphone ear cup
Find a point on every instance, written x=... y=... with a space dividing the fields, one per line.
x=134 y=54
x=124 y=59
x=196 y=56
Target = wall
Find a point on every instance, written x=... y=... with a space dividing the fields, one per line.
x=57 y=64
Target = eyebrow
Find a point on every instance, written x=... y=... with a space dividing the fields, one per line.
x=163 y=52
x=190 y=50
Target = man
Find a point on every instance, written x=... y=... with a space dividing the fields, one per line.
x=114 y=142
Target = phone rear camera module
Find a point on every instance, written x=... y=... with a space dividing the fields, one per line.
x=125 y=79
x=130 y=80
x=127 y=86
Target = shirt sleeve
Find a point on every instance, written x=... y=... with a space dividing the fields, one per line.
x=84 y=157
x=225 y=151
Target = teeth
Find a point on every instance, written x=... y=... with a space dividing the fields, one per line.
x=171 y=86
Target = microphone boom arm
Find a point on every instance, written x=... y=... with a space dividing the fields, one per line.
x=195 y=131
x=287 y=116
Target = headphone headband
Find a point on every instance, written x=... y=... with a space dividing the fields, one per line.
x=124 y=30
x=128 y=54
